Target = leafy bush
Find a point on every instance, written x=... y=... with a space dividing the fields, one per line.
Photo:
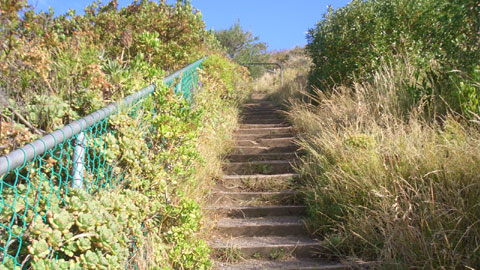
x=436 y=35
x=158 y=155
x=84 y=61
x=55 y=69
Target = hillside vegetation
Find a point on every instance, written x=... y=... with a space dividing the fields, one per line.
x=439 y=38
x=55 y=69
x=389 y=126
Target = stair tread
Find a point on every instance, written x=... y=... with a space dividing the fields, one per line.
x=262 y=136
x=280 y=192
x=268 y=219
x=260 y=126
x=264 y=147
x=250 y=150
x=261 y=162
x=268 y=128
x=292 y=264
x=247 y=207
x=262 y=156
x=262 y=130
x=274 y=142
x=271 y=139
x=264 y=241
x=266 y=116
x=250 y=176
x=261 y=221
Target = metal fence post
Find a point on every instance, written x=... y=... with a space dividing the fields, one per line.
x=78 y=161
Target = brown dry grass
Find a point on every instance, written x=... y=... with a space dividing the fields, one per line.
x=387 y=178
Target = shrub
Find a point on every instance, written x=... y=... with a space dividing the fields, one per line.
x=436 y=35
x=55 y=69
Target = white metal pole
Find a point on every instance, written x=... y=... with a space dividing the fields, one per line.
x=78 y=161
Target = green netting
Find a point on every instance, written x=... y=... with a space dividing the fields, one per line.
x=186 y=83
x=30 y=189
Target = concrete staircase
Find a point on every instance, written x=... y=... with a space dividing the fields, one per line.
x=259 y=215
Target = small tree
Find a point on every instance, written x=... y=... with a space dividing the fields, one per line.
x=243 y=47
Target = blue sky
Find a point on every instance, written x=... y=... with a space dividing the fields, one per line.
x=280 y=23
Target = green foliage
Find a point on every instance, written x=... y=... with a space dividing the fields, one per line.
x=436 y=36
x=84 y=233
x=49 y=111
x=227 y=73
x=469 y=92
x=56 y=69
x=243 y=47
x=157 y=154
x=82 y=62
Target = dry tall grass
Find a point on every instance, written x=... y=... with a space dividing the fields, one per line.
x=385 y=178
x=296 y=66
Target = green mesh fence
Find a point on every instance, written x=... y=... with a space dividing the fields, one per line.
x=41 y=174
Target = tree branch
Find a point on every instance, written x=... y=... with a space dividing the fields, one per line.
x=24 y=121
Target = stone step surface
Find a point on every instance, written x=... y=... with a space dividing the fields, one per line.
x=298 y=246
x=264 y=130
x=261 y=126
x=258 y=182
x=263 y=114
x=290 y=264
x=260 y=167
x=246 y=198
x=262 y=136
x=260 y=107
x=274 y=142
x=236 y=211
x=263 y=226
x=264 y=156
x=251 y=150
x=257 y=212
x=262 y=120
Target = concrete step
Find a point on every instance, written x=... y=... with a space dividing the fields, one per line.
x=267 y=156
x=258 y=182
x=290 y=264
x=265 y=113
x=261 y=104
x=259 y=97
x=253 y=126
x=254 y=109
x=262 y=112
x=235 y=211
x=252 y=150
x=264 y=226
x=274 y=142
x=268 y=247
x=243 y=198
x=263 y=131
x=259 y=167
x=262 y=136
x=269 y=120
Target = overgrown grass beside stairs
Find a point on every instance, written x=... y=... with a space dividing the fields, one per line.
x=385 y=179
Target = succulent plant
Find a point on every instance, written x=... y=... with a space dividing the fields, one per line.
x=39 y=249
x=61 y=221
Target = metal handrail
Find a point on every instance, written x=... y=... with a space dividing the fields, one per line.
x=268 y=64
x=21 y=156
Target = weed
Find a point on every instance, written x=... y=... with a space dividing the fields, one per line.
x=279 y=254
x=230 y=255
